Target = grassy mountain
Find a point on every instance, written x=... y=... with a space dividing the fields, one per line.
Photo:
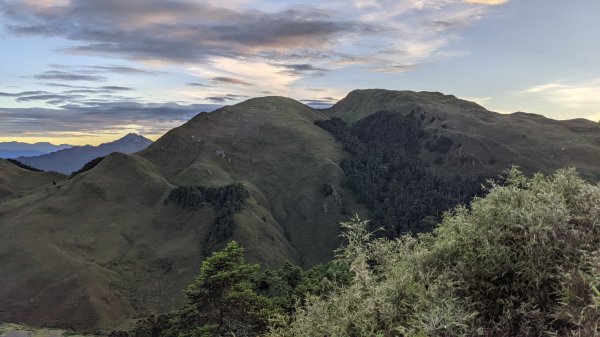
x=11 y=150
x=485 y=141
x=85 y=246
x=73 y=158
x=414 y=155
x=124 y=237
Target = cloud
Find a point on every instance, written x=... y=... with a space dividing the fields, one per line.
x=22 y=93
x=595 y=117
x=487 y=2
x=98 y=118
x=249 y=77
x=571 y=95
x=544 y=88
x=56 y=99
x=195 y=32
x=302 y=69
x=394 y=68
x=71 y=95
x=119 y=70
x=320 y=103
x=229 y=80
x=267 y=79
x=83 y=87
x=67 y=76
x=195 y=84
x=115 y=88
x=60 y=85
x=179 y=31
x=225 y=98
x=479 y=100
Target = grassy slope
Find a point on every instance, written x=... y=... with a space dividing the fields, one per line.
x=272 y=146
x=15 y=181
x=15 y=330
x=103 y=246
x=491 y=142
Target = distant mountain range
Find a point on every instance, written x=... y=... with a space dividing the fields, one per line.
x=9 y=150
x=73 y=158
x=122 y=238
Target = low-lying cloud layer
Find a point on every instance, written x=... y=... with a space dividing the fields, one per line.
x=98 y=118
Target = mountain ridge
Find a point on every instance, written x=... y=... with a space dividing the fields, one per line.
x=480 y=131
x=129 y=252
x=11 y=150
x=71 y=159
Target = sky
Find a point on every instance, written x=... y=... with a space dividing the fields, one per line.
x=90 y=71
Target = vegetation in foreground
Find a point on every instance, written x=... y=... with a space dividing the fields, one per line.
x=231 y=297
x=522 y=261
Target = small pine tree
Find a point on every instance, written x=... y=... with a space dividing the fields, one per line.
x=221 y=301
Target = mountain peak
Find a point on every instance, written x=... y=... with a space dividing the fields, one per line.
x=132 y=135
x=363 y=102
x=269 y=101
x=72 y=159
x=131 y=138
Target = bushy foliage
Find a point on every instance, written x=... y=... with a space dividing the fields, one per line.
x=226 y=201
x=384 y=171
x=221 y=301
x=231 y=297
x=522 y=261
x=229 y=198
x=291 y=285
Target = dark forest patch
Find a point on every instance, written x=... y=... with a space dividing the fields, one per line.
x=384 y=171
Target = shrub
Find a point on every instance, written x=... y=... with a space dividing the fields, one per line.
x=231 y=297
x=221 y=301
x=522 y=261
